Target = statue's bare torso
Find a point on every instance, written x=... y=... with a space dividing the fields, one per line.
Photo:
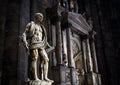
x=37 y=36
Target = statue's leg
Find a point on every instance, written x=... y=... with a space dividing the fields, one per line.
x=46 y=70
x=42 y=70
x=45 y=61
x=35 y=55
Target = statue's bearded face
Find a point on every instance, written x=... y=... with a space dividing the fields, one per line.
x=39 y=17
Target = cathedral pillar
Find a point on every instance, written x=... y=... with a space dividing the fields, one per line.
x=22 y=62
x=10 y=53
x=33 y=8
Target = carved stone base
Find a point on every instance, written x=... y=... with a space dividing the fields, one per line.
x=40 y=82
x=62 y=75
x=73 y=76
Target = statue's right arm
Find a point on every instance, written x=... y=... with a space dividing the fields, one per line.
x=24 y=36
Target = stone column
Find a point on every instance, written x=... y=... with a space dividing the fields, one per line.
x=54 y=44
x=70 y=56
x=87 y=61
x=91 y=76
x=93 y=54
x=84 y=54
x=93 y=51
x=58 y=41
x=69 y=46
x=88 y=55
x=65 y=58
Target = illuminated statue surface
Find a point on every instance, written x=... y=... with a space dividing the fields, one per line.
x=35 y=41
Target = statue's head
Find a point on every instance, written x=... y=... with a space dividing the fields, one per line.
x=38 y=17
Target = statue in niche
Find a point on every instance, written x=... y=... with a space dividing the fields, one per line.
x=90 y=22
x=35 y=41
x=65 y=62
x=71 y=5
x=64 y=4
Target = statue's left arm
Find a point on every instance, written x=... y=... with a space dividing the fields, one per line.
x=24 y=36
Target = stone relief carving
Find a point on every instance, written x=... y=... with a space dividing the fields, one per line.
x=75 y=45
x=77 y=56
x=68 y=77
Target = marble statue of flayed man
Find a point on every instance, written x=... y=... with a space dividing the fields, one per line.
x=35 y=41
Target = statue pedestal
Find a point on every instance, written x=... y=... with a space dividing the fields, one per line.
x=63 y=75
x=40 y=82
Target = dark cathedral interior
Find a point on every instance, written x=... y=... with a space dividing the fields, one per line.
x=88 y=30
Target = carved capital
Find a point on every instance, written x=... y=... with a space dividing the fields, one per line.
x=64 y=20
x=66 y=25
x=84 y=37
x=55 y=19
x=64 y=17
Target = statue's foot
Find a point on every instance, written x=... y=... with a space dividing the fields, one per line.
x=27 y=80
x=46 y=79
x=37 y=79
